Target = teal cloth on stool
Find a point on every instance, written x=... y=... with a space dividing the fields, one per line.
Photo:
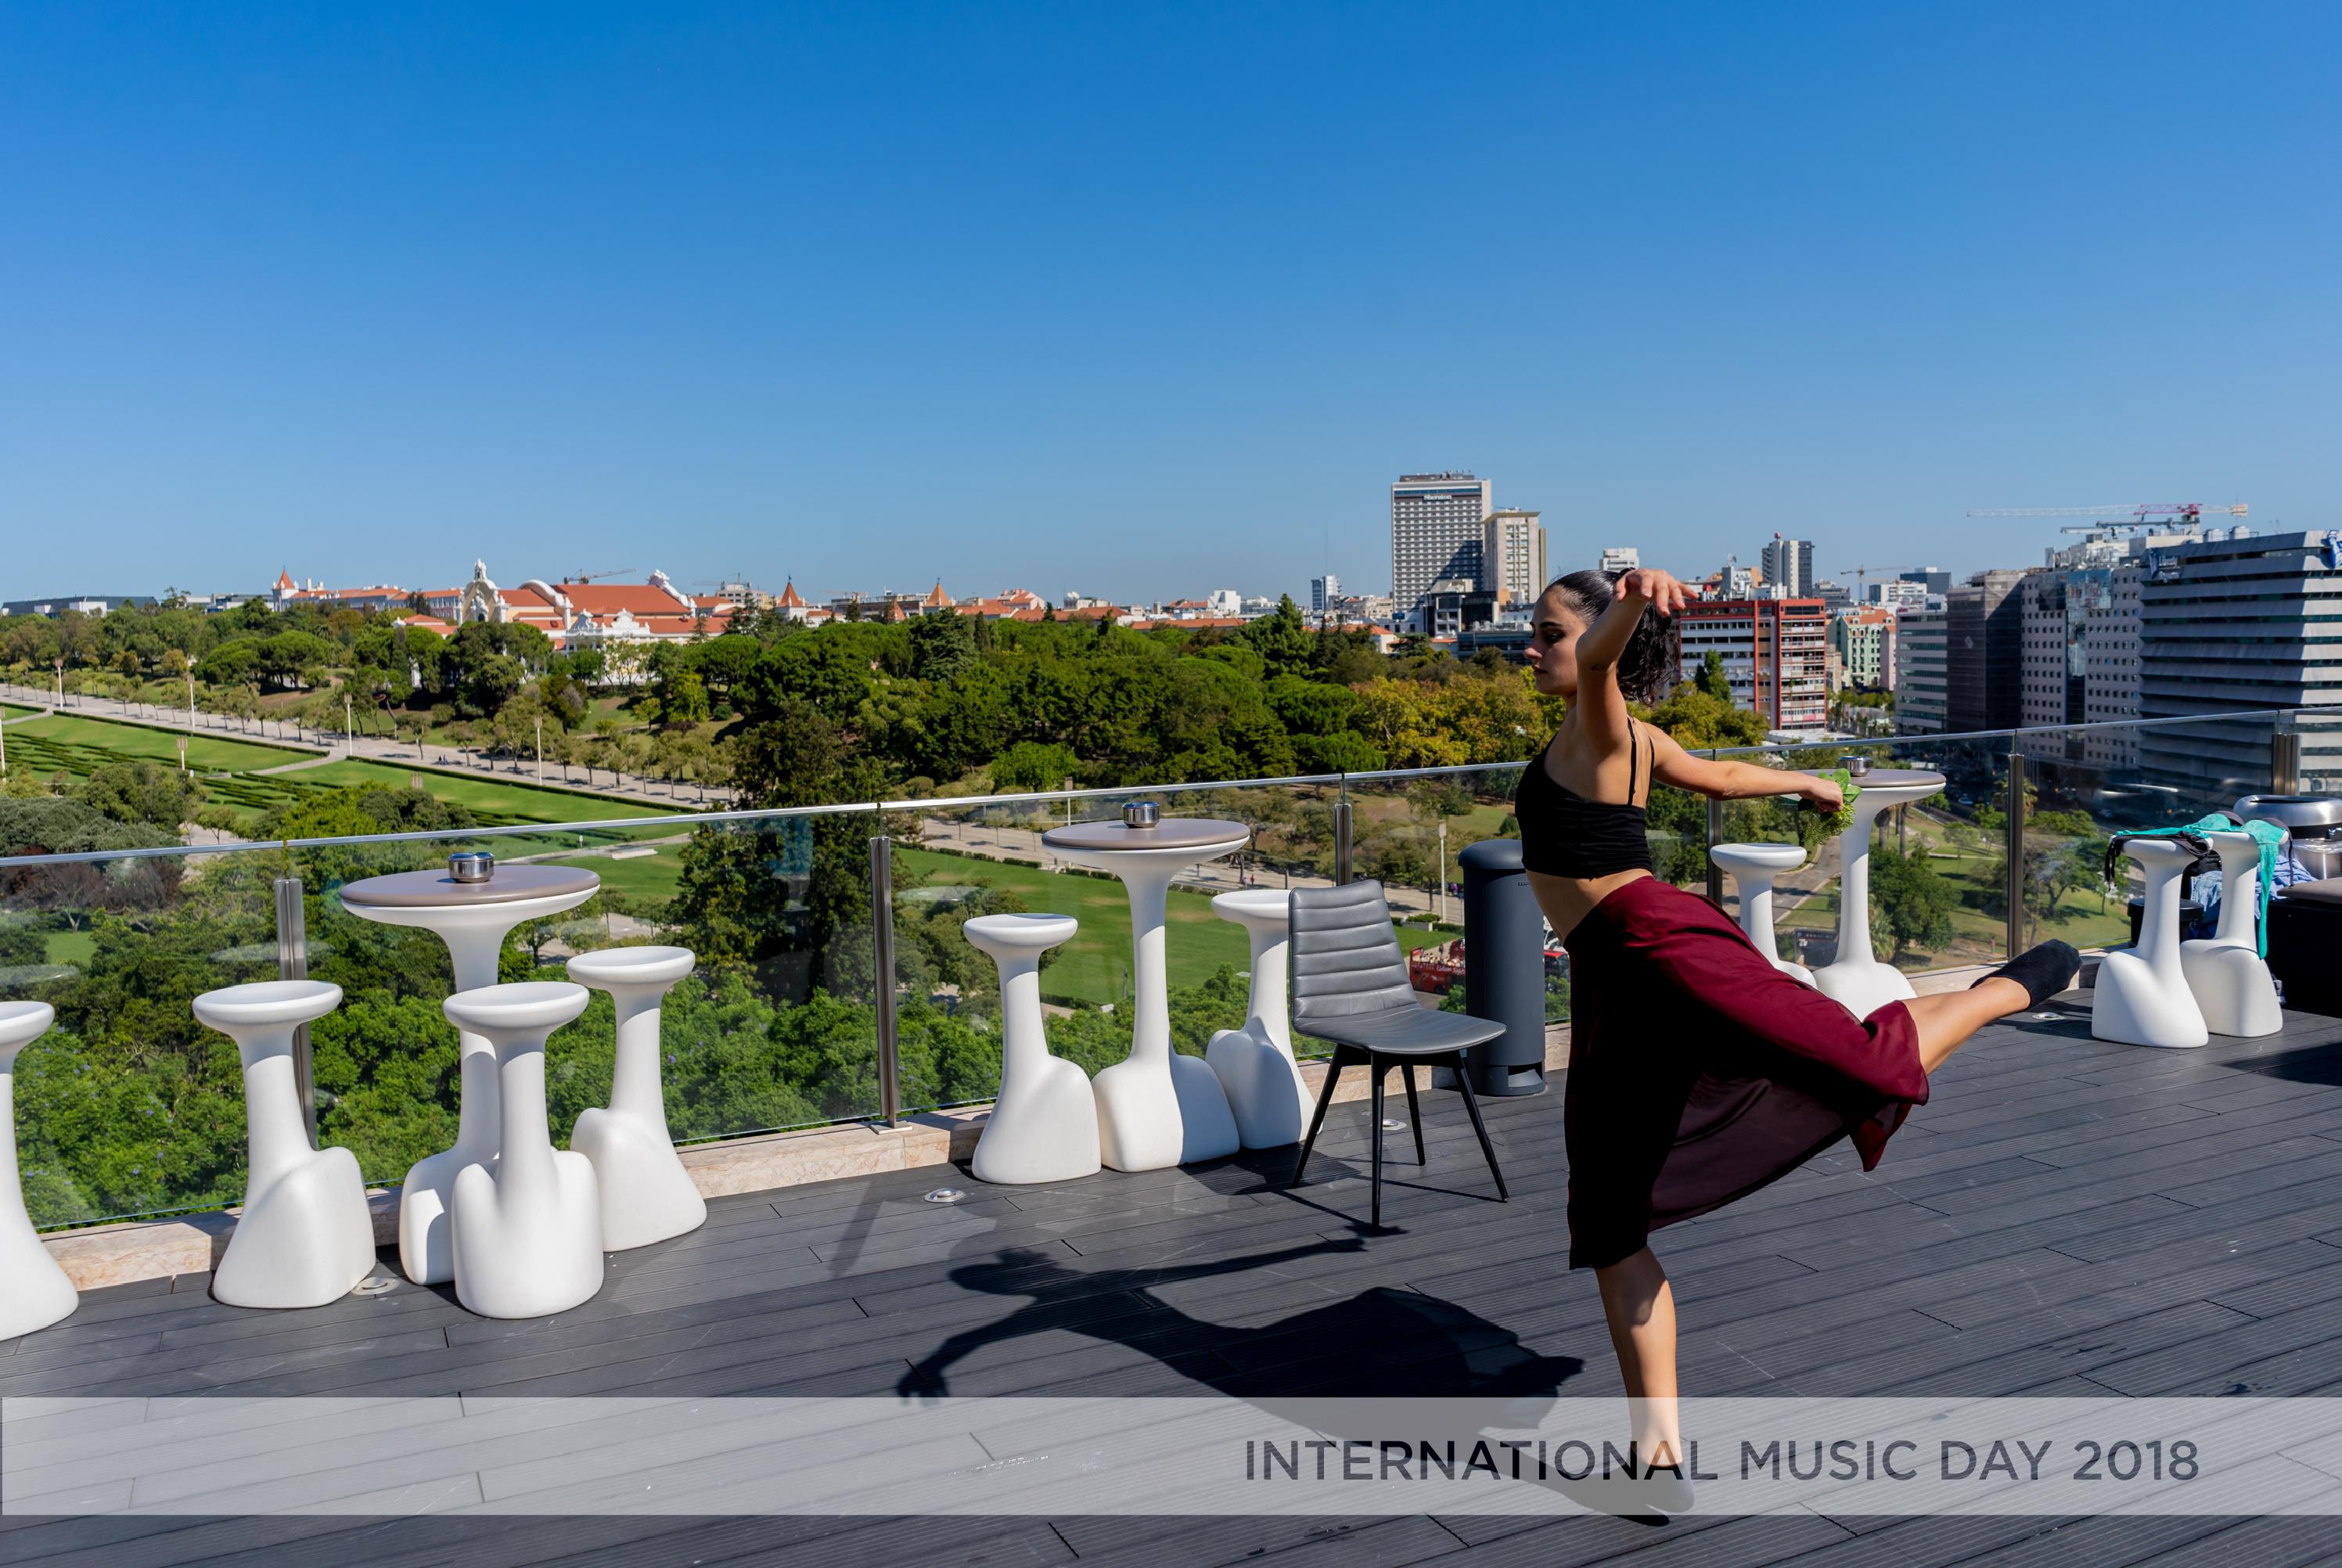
x=2266 y=836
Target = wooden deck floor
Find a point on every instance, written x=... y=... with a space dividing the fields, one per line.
x=2065 y=1217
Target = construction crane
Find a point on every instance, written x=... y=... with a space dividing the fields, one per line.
x=2187 y=513
x=590 y=576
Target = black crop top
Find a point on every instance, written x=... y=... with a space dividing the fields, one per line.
x=1563 y=834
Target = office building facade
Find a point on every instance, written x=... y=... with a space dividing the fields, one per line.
x=1619 y=558
x=1322 y=592
x=2230 y=623
x=1922 y=682
x=1776 y=655
x=1437 y=532
x=1983 y=653
x=2111 y=665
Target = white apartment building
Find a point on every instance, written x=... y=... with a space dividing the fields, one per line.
x=1896 y=594
x=1619 y=558
x=1789 y=566
x=1437 y=531
x=1512 y=555
x=1922 y=698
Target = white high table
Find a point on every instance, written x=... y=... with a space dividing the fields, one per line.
x=1158 y=1107
x=473 y=918
x=1857 y=981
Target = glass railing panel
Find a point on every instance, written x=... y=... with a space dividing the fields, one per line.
x=2319 y=742
x=1934 y=900
x=127 y=1105
x=1409 y=830
x=130 y=1107
x=2085 y=786
x=953 y=862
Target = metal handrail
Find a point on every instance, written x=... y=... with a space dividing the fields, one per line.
x=688 y=820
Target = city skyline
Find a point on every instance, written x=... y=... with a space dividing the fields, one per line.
x=1098 y=290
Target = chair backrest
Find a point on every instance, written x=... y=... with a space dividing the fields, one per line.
x=1346 y=959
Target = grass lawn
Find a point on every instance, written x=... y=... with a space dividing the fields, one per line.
x=650 y=876
x=1094 y=966
x=79 y=745
x=75 y=947
x=505 y=801
x=10 y=711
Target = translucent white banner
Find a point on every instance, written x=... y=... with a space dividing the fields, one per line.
x=1201 y=1456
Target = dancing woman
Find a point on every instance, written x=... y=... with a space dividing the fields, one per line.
x=1698 y=1071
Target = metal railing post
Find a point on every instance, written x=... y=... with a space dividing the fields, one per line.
x=293 y=964
x=2016 y=847
x=1715 y=836
x=882 y=945
x=2284 y=760
x=1342 y=837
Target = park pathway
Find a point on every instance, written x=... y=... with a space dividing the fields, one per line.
x=456 y=761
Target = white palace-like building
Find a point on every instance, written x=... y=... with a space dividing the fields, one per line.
x=623 y=620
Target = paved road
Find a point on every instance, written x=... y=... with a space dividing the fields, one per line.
x=375 y=748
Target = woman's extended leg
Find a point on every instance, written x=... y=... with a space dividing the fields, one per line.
x=1641 y=1309
x=1945 y=1020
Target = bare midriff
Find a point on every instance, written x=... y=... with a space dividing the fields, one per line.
x=1568 y=900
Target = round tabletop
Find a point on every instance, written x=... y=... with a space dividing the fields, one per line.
x=438 y=889
x=1171 y=832
x=1898 y=778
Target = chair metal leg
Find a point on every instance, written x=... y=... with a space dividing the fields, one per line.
x=1414 y=1111
x=1341 y=1058
x=1464 y=1085
x=1376 y=1068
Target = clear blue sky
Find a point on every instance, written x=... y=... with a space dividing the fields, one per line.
x=1143 y=301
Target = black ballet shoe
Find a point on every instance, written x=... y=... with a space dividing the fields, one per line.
x=2044 y=971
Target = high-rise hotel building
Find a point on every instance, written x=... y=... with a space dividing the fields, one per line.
x=1438 y=530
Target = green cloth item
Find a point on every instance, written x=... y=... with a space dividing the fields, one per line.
x=1838 y=821
x=2266 y=836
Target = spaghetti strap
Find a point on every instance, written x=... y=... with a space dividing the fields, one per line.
x=1633 y=759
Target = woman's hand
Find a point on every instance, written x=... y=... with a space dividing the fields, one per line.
x=1824 y=792
x=1659 y=588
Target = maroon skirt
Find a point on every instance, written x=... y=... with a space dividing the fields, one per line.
x=1699 y=1072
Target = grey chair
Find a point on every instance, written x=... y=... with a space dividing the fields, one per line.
x=1350 y=986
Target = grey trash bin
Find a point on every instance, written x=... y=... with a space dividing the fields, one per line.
x=1504 y=968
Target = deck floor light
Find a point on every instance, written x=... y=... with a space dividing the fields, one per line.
x=948 y=1196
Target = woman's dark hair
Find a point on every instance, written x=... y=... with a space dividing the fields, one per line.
x=1648 y=670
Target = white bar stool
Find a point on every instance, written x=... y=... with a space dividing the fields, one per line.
x=2141 y=997
x=1753 y=868
x=305 y=1237
x=1044 y=1126
x=33 y=1291
x=527 y=1234
x=646 y=1195
x=2226 y=972
x=1255 y=1064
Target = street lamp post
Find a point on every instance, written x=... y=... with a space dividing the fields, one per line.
x=349 y=727
x=1443 y=871
x=183 y=754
